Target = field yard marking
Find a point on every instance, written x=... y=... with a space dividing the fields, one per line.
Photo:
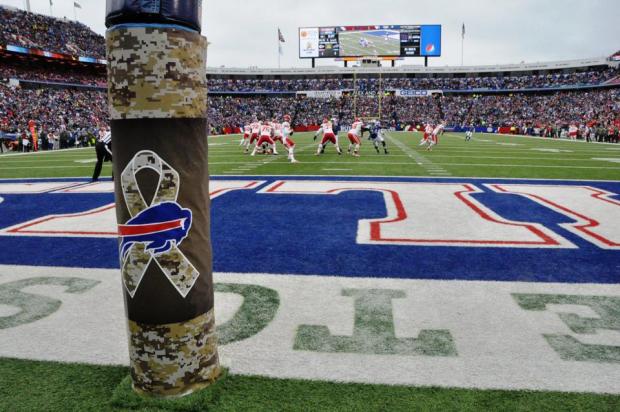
x=553 y=159
x=45 y=167
x=499 y=329
x=551 y=139
x=552 y=150
x=85 y=161
x=354 y=163
x=249 y=166
x=612 y=160
x=338 y=170
x=532 y=166
x=46 y=152
x=431 y=168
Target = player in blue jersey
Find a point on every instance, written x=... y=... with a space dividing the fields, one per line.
x=469 y=134
x=377 y=136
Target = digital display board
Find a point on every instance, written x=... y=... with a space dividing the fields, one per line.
x=362 y=41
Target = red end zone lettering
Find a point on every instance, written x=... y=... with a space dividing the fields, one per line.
x=433 y=214
x=596 y=214
x=100 y=222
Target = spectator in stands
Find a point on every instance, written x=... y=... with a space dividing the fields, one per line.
x=372 y=85
x=33 y=30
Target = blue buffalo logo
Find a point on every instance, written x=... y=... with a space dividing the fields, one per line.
x=158 y=228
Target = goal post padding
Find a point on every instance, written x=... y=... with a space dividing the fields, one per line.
x=158 y=101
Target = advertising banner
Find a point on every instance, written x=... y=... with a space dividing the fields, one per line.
x=322 y=94
x=309 y=42
x=417 y=93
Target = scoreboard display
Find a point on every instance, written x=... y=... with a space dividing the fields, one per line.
x=376 y=41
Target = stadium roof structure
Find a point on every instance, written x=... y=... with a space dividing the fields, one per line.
x=411 y=69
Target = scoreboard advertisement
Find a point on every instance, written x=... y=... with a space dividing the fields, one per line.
x=364 y=41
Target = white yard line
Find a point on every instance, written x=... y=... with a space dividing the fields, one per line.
x=432 y=168
x=46 y=152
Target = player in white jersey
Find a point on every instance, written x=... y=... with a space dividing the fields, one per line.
x=287 y=132
x=266 y=137
x=245 y=140
x=355 y=135
x=254 y=134
x=573 y=132
x=327 y=129
x=438 y=131
x=277 y=135
x=428 y=132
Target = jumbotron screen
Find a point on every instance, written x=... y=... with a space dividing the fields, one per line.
x=361 y=41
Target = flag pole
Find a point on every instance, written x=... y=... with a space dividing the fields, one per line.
x=463 y=46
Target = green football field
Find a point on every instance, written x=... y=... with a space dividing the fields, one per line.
x=485 y=156
x=379 y=46
x=45 y=386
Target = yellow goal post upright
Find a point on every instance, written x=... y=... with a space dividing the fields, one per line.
x=367 y=62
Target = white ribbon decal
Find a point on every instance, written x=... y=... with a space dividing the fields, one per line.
x=154 y=231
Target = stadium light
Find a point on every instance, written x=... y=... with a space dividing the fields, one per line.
x=157 y=88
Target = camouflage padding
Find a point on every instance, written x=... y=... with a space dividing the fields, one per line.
x=176 y=359
x=156 y=73
x=174 y=264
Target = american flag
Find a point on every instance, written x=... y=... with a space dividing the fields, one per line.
x=280 y=36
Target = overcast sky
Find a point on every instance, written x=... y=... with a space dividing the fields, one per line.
x=244 y=32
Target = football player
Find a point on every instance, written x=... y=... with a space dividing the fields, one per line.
x=277 y=135
x=327 y=129
x=287 y=132
x=266 y=137
x=434 y=140
x=469 y=134
x=376 y=136
x=245 y=140
x=428 y=132
x=355 y=137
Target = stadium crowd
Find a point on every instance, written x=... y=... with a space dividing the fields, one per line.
x=33 y=30
x=64 y=117
x=371 y=85
x=532 y=113
x=46 y=74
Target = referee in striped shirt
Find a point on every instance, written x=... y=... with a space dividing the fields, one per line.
x=104 y=152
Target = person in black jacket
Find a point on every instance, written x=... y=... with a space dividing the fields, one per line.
x=103 y=147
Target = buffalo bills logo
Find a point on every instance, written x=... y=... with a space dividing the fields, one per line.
x=158 y=228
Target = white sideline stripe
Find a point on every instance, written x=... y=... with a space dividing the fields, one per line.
x=499 y=345
x=353 y=163
x=552 y=139
x=46 y=167
x=48 y=152
x=86 y=179
x=519 y=136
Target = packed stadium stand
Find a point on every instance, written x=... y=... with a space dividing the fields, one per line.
x=37 y=31
x=66 y=94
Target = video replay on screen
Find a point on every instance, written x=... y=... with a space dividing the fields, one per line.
x=361 y=41
x=369 y=43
